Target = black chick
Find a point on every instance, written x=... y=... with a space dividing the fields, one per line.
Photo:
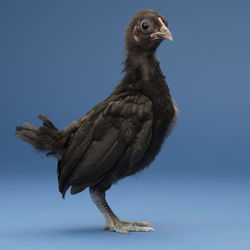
x=121 y=135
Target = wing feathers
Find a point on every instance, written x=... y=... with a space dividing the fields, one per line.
x=119 y=133
x=141 y=142
x=78 y=145
x=100 y=158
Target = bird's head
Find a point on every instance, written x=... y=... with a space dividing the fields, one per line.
x=146 y=31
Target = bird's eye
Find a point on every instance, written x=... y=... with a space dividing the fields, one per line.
x=146 y=26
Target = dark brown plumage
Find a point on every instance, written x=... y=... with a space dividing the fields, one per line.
x=121 y=135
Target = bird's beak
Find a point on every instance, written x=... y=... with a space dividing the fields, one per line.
x=164 y=33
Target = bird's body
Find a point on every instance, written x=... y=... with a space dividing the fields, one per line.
x=121 y=135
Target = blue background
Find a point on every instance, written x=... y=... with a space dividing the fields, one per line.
x=60 y=58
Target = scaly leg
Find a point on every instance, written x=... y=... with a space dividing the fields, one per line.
x=113 y=223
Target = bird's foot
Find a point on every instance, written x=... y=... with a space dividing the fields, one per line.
x=126 y=226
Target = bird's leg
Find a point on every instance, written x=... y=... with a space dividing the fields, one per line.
x=113 y=223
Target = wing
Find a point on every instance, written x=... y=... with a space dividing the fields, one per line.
x=122 y=127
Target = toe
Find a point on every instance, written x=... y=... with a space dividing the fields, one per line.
x=140 y=224
x=143 y=224
x=142 y=229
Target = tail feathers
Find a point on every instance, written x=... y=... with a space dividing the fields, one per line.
x=45 y=138
x=46 y=122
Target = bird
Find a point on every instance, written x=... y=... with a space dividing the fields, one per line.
x=122 y=134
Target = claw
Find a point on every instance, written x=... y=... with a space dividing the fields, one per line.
x=148 y=229
x=105 y=227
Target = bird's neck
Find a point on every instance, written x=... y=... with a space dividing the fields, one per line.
x=140 y=65
x=143 y=73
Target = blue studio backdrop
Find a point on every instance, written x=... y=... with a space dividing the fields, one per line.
x=60 y=58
